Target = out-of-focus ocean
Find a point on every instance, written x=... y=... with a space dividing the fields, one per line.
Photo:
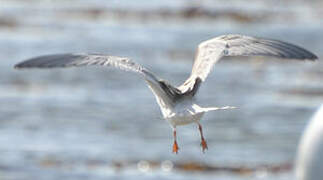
x=101 y=123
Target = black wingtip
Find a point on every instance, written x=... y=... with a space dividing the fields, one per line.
x=309 y=56
x=17 y=66
x=20 y=65
x=314 y=58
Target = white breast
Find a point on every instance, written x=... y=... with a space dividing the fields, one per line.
x=185 y=112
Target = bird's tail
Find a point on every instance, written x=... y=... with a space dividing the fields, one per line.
x=218 y=108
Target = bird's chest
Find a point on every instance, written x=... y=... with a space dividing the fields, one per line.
x=183 y=114
x=183 y=119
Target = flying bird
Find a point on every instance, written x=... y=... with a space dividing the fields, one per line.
x=178 y=104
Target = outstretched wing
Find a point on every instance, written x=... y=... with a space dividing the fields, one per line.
x=210 y=51
x=123 y=63
x=70 y=60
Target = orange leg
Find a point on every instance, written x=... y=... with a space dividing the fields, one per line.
x=175 y=146
x=203 y=142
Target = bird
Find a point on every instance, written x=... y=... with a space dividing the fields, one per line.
x=309 y=160
x=178 y=104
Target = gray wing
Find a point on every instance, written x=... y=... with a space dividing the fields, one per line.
x=70 y=60
x=76 y=60
x=210 y=51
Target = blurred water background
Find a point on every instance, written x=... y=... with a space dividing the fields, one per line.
x=99 y=123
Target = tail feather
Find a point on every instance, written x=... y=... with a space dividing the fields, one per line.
x=218 y=108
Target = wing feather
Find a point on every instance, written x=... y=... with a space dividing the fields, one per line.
x=123 y=63
x=74 y=60
x=211 y=51
x=239 y=45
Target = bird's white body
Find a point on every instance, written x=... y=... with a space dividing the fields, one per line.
x=184 y=112
x=180 y=112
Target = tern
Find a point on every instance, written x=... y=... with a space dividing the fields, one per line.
x=178 y=104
